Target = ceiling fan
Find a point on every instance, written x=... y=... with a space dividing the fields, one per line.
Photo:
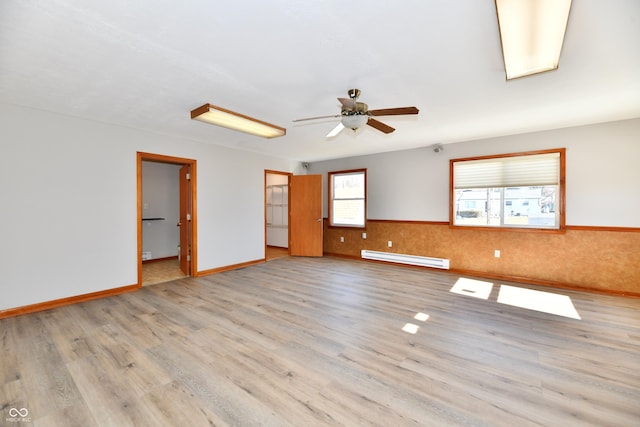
x=356 y=114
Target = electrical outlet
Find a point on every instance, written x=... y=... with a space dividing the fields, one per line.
x=341 y=239
x=364 y=235
x=390 y=243
x=496 y=253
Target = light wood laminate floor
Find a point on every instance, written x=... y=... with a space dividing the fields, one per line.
x=161 y=271
x=274 y=252
x=323 y=341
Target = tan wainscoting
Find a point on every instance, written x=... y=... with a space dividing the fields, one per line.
x=601 y=259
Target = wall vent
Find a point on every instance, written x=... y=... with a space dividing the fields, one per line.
x=406 y=259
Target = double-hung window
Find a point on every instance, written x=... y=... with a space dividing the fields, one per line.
x=518 y=190
x=347 y=198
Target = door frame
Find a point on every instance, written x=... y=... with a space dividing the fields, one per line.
x=159 y=158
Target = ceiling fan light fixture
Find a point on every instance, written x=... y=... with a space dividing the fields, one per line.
x=219 y=116
x=354 y=121
x=531 y=33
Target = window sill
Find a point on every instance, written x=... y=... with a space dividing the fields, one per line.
x=560 y=230
x=349 y=227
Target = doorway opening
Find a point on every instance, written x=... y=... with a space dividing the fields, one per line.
x=276 y=214
x=166 y=196
x=293 y=215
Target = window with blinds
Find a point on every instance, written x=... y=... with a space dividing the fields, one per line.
x=518 y=190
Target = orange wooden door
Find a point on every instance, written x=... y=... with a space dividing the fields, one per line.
x=185 y=221
x=305 y=210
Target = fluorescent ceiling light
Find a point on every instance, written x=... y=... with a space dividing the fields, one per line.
x=532 y=33
x=222 y=117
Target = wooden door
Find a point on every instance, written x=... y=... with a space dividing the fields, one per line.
x=305 y=209
x=185 y=221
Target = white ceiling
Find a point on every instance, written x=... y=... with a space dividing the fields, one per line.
x=146 y=64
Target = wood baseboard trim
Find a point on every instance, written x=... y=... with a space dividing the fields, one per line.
x=229 y=267
x=484 y=275
x=336 y=255
x=47 y=305
x=167 y=258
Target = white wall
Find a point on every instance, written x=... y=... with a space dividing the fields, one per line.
x=68 y=222
x=602 y=173
x=68 y=194
x=160 y=199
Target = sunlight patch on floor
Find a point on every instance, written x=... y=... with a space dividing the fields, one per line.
x=413 y=328
x=423 y=317
x=472 y=288
x=546 y=302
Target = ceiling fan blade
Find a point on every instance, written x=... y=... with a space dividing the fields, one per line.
x=319 y=117
x=348 y=104
x=380 y=126
x=394 y=111
x=336 y=130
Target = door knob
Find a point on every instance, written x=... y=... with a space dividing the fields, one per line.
x=179 y=224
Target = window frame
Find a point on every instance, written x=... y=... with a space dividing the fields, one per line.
x=561 y=198
x=330 y=192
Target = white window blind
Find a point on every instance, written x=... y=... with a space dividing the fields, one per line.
x=348 y=186
x=517 y=171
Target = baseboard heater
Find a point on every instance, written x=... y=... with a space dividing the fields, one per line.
x=422 y=261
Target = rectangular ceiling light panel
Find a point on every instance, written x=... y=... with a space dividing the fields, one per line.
x=219 y=116
x=532 y=33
